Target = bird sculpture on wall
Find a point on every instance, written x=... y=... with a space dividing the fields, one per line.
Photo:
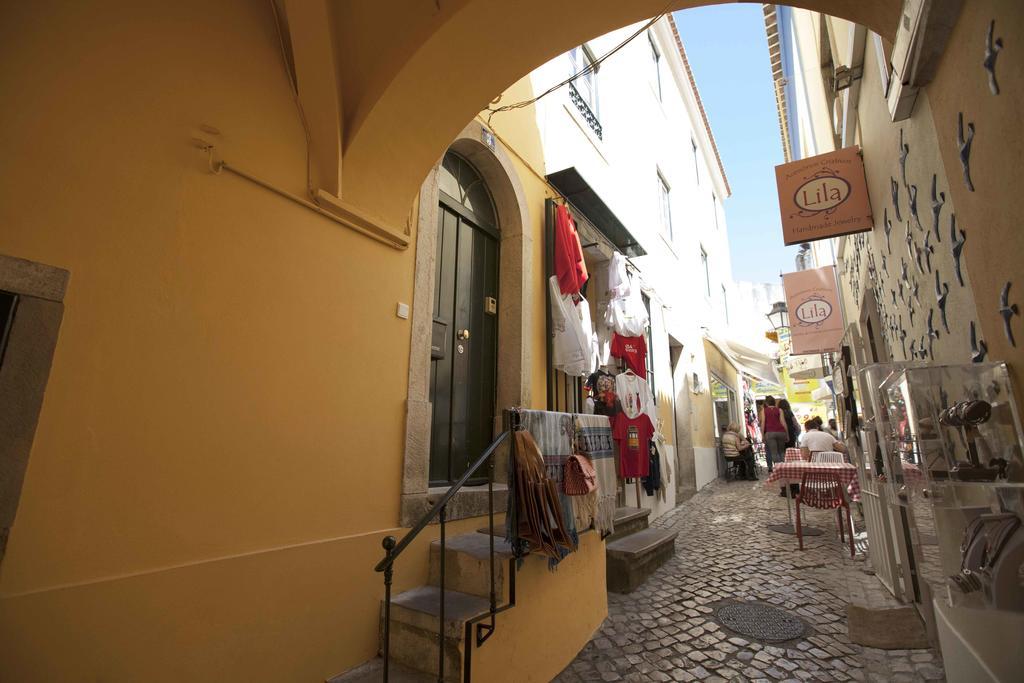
x=913 y=348
x=1007 y=310
x=910 y=312
x=904 y=152
x=912 y=193
x=918 y=256
x=933 y=333
x=938 y=199
x=894 y=187
x=928 y=250
x=887 y=226
x=885 y=264
x=964 y=143
x=979 y=349
x=941 y=293
x=908 y=237
x=992 y=48
x=915 y=292
x=958 y=247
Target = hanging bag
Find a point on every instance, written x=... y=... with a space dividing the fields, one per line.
x=579 y=476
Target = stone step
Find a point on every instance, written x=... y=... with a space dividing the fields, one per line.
x=633 y=558
x=414 y=626
x=467 y=564
x=373 y=672
x=629 y=521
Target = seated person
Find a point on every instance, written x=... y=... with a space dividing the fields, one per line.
x=736 y=446
x=816 y=441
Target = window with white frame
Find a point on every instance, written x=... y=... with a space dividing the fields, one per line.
x=725 y=304
x=707 y=272
x=714 y=208
x=665 y=205
x=583 y=89
x=656 y=58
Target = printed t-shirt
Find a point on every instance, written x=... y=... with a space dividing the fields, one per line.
x=634 y=437
x=633 y=350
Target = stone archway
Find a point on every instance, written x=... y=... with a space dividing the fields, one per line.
x=392 y=94
x=514 y=323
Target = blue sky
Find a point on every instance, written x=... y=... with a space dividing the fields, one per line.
x=728 y=53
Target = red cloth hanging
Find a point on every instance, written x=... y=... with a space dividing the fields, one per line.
x=569 y=265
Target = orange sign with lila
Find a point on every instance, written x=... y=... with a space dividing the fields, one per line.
x=823 y=196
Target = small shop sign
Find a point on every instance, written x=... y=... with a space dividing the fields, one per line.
x=823 y=196
x=816 y=323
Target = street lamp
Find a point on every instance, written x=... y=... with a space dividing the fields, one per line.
x=779 y=315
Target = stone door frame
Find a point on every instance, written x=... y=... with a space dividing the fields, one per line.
x=515 y=322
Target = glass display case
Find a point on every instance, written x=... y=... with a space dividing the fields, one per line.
x=884 y=459
x=956 y=429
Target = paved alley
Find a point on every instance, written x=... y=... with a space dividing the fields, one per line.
x=663 y=631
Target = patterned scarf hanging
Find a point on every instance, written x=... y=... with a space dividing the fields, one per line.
x=594 y=439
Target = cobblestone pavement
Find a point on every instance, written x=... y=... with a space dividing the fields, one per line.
x=662 y=631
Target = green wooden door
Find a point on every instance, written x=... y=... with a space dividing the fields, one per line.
x=464 y=342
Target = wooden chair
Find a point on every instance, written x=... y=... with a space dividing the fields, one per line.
x=822 y=490
x=828 y=456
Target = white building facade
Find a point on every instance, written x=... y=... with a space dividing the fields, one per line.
x=636 y=133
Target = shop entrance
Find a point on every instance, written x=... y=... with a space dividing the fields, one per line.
x=464 y=341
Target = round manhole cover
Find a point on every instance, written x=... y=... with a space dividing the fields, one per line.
x=761 y=622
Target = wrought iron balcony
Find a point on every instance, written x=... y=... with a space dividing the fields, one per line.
x=588 y=114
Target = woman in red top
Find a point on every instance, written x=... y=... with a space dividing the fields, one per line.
x=775 y=432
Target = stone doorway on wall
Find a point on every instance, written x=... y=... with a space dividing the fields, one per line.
x=464 y=338
x=508 y=283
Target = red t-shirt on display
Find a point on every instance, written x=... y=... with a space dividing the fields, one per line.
x=633 y=350
x=634 y=437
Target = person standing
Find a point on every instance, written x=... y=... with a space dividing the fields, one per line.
x=792 y=424
x=776 y=433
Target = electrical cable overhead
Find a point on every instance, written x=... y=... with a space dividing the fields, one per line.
x=588 y=69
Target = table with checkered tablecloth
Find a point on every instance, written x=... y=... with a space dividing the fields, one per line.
x=793 y=455
x=791 y=472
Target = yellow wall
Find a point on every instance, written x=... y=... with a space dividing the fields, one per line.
x=220 y=448
x=704 y=409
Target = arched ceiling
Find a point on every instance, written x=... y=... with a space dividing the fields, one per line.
x=406 y=82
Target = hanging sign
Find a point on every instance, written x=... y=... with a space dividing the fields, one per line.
x=823 y=196
x=815 y=320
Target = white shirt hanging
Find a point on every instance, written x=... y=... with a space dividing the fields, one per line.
x=571 y=332
x=618 y=278
x=635 y=396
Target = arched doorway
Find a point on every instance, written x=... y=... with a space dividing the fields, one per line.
x=470 y=176
x=464 y=336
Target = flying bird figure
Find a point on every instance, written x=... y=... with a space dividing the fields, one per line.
x=894 y=187
x=1007 y=310
x=904 y=152
x=958 y=247
x=912 y=191
x=940 y=295
x=933 y=333
x=938 y=199
x=887 y=226
x=965 y=149
x=992 y=48
x=978 y=346
x=928 y=251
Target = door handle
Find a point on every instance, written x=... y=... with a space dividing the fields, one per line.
x=462 y=335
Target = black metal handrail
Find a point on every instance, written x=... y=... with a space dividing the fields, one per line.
x=393 y=548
